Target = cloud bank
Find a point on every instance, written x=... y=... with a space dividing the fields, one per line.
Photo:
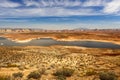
x=59 y=8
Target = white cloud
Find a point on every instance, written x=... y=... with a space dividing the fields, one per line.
x=47 y=8
x=52 y=3
x=57 y=8
x=112 y=7
x=88 y=3
x=31 y=3
x=38 y=12
x=72 y=3
x=8 y=4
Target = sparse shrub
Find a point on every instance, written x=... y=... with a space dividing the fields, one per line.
x=17 y=75
x=90 y=72
x=107 y=76
x=61 y=77
x=34 y=75
x=41 y=71
x=5 y=77
x=11 y=65
x=65 y=72
x=21 y=68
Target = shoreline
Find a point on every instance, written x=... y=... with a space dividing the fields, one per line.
x=28 y=40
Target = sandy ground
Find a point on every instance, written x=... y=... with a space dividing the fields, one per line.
x=35 y=57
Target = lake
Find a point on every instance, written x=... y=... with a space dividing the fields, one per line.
x=50 y=42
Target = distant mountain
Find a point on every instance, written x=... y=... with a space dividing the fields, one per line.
x=81 y=28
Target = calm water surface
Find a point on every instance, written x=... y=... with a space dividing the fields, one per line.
x=50 y=42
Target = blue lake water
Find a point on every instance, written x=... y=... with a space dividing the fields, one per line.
x=50 y=42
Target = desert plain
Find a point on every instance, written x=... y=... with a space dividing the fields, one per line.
x=60 y=62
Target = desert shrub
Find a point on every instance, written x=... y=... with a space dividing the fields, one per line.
x=64 y=72
x=90 y=72
x=34 y=75
x=61 y=77
x=107 y=76
x=41 y=71
x=16 y=75
x=11 y=65
x=5 y=77
x=21 y=68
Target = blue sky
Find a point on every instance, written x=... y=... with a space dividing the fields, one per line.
x=59 y=14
